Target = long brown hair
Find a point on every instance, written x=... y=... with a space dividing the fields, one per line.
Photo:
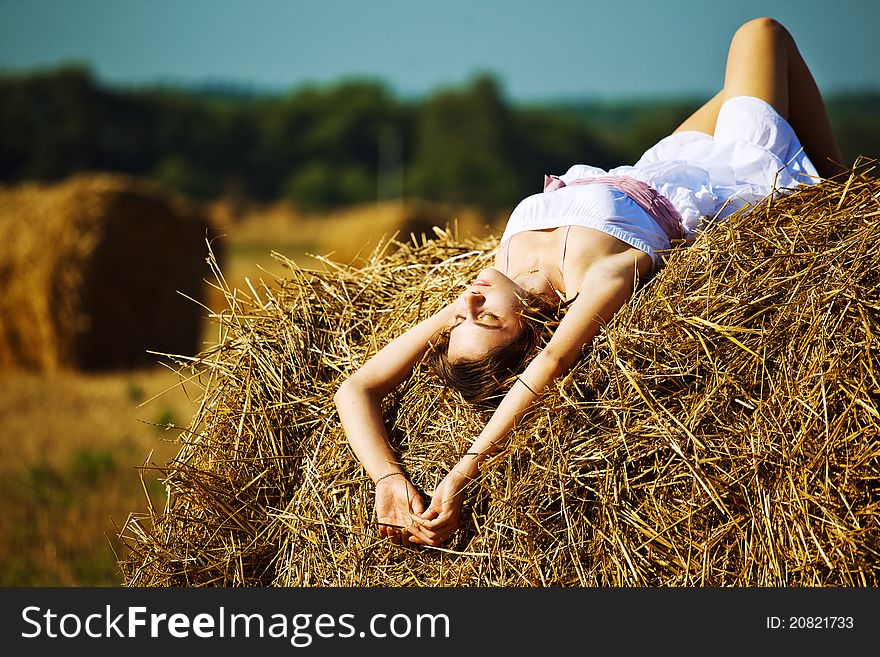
x=478 y=379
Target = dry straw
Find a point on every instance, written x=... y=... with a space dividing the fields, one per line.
x=723 y=430
x=92 y=271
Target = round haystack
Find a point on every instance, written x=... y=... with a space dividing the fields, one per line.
x=722 y=431
x=92 y=272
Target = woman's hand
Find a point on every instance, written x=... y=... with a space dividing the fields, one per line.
x=442 y=518
x=397 y=501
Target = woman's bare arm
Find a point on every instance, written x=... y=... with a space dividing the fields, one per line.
x=605 y=288
x=358 y=399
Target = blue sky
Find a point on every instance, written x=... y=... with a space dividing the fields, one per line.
x=562 y=49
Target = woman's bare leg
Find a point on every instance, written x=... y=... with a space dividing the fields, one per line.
x=809 y=117
x=764 y=61
x=703 y=120
x=757 y=63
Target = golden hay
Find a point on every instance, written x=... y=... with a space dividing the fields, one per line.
x=90 y=273
x=722 y=431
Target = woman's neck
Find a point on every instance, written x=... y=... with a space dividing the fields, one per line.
x=542 y=282
x=541 y=273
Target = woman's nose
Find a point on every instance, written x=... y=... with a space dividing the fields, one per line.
x=473 y=300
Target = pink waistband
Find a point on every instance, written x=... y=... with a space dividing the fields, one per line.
x=646 y=197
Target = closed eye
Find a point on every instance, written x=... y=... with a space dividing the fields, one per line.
x=494 y=318
x=481 y=321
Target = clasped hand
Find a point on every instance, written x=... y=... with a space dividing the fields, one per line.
x=403 y=517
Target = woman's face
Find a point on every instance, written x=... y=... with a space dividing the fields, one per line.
x=486 y=316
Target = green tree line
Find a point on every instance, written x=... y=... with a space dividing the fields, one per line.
x=348 y=143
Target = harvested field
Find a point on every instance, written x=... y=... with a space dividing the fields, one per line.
x=92 y=273
x=343 y=234
x=70 y=443
x=723 y=430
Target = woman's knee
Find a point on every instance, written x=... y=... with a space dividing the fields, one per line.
x=757 y=63
x=763 y=28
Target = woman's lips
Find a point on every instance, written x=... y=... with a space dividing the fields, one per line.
x=482 y=283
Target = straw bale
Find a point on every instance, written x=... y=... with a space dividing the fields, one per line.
x=722 y=431
x=92 y=273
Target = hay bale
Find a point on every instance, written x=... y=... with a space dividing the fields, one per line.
x=723 y=430
x=90 y=273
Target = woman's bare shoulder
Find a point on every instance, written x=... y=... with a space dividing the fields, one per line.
x=591 y=252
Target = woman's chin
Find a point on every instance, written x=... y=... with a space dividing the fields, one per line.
x=534 y=283
x=493 y=275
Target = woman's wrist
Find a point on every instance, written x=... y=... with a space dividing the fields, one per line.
x=388 y=475
x=469 y=465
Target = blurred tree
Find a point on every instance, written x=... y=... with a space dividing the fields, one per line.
x=315 y=137
x=461 y=148
x=54 y=124
x=348 y=143
x=856 y=120
x=545 y=141
x=176 y=173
